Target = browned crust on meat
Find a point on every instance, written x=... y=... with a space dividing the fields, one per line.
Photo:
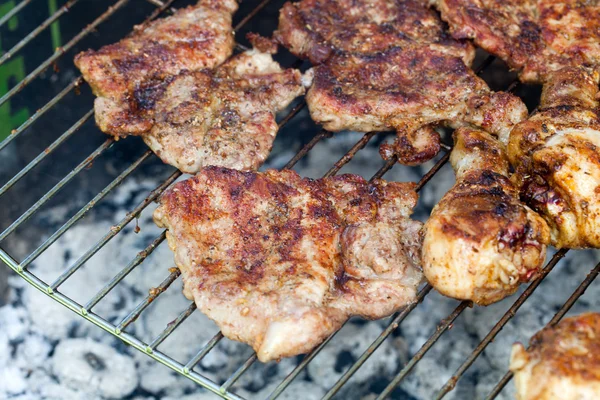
x=193 y=38
x=556 y=153
x=390 y=65
x=533 y=37
x=562 y=361
x=263 y=253
x=334 y=202
x=317 y=29
x=411 y=91
x=261 y=43
x=481 y=241
x=482 y=201
x=565 y=361
x=223 y=117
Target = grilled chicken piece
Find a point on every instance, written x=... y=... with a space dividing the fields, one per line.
x=224 y=117
x=480 y=241
x=556 y=153
x=410 y=91
x=562 y=362
x=535 y=37
x=280 y=262
x=318 y=29
x=390 y=65
x=193 y=38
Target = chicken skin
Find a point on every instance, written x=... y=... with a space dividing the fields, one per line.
x=556 y=154
x=480 y=241
x=191 y=39
x=562 y=362
x=224 y=117
x=280 y=262
x=318 y=29
x=535 y=37
x=387 y=92
x=390 y=65
x=161 y=83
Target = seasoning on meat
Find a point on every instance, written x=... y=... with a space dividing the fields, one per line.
x=193 y=38
x=480 y=241
x=562 y=363
x=535 y=37
x=389 y=65
x=556 y=153
x=224 y=117
x=280 y=262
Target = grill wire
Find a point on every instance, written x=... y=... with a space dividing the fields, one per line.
x=151 y=349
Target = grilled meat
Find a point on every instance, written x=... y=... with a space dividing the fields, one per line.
x=389 y=65
x=535 y=37
x=410 y=91
x=193 y=38
x=556 y=153
x=224 y=117
x=562 y=363
x=318 y=29
x=480 y=241
x=280 y=262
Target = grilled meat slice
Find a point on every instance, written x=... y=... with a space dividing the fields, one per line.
x=562 y=363
x=280 y=262
x=535 y=37
x=409 y=90
x=390 y=65
x=224 y=117
x=556 y=153
x=480 y=241
x=318 y=29
x=191 y=39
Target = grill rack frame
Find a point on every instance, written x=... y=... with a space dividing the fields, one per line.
x=150 y=349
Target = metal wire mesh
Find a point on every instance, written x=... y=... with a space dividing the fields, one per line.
x=151 y=348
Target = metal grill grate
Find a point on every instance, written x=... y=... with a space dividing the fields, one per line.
x=151 y=349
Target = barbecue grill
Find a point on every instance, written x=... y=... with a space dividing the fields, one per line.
x=250 y=12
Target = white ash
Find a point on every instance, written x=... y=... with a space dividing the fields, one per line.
x=43 y=345
x=95 y=366
x=12 y=380
x=33 y=352
x=13 y=322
